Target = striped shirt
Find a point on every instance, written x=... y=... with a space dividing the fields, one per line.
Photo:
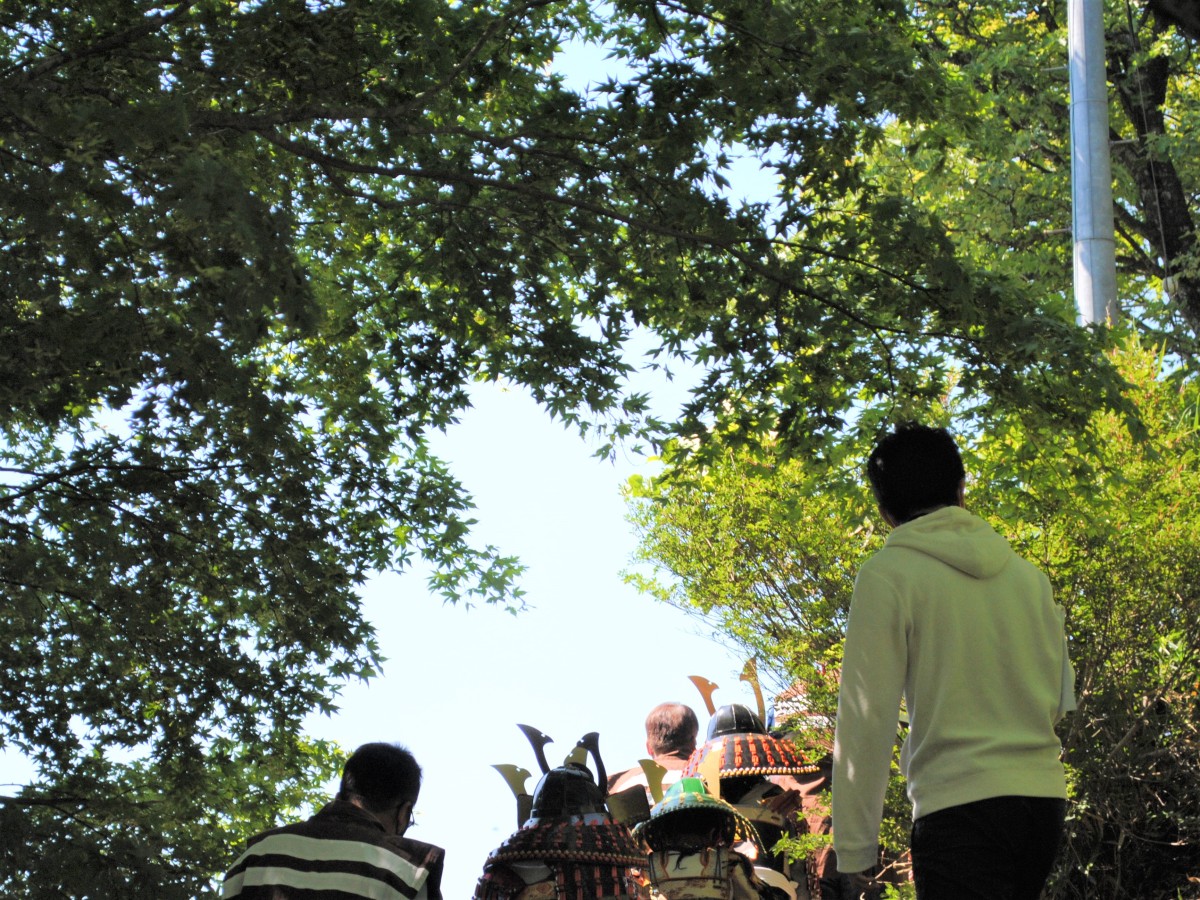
x=340 y=853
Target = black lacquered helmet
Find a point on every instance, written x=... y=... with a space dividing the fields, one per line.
x=568 y=792
x=734 y=719
x=568 y=847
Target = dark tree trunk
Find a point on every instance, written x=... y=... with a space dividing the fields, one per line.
x=1169 y=227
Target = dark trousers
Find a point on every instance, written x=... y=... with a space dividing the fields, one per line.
x=1001 y=848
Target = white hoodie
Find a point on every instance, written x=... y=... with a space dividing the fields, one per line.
x=950 y=618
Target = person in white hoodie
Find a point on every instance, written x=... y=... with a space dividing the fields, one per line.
x=949 y=619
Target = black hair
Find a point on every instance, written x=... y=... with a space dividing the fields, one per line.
x=913 y=469
x=381 y=776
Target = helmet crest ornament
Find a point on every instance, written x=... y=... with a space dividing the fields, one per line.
x=591 y=743
x=516 y=777
x=539 y=742
x=750 y=674
x=706 y=688
x=654 y=777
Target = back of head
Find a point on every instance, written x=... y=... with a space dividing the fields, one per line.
x=380 y=776
x=914 y=469
x=672 y=728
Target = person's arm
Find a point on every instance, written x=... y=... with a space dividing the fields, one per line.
x=872 y=682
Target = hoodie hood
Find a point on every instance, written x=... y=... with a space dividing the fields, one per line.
x=957 y=538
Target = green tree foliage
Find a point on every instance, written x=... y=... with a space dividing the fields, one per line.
x=995 y=169
x=1123 y=550
x=252 y=253
x=767 y=551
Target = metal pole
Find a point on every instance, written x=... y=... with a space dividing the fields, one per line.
x=1091 y=166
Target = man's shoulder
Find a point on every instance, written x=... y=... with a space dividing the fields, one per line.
x=337 y=820
x=881 y=566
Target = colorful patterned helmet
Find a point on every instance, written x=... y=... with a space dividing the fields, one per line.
x=750 y=751
x=595 y=843
x=578 y=856
x=689 y=818
x=569 y=848
x=701 y=847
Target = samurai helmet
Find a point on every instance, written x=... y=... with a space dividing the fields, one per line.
x=690 y=819
x=734 y=719
x=568 y=793
x=567 y=846
x=739 y=742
